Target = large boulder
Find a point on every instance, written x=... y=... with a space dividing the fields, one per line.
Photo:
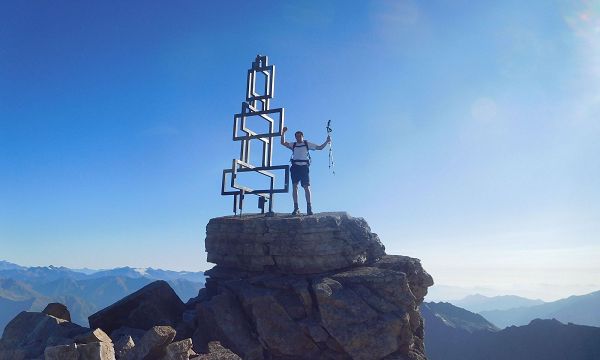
x=418 y=279
x=153 y=344
x=291 y=244
x=363 y=312
x=365 y=322
x=123 y=346
x=61 y=352
x=179 y=350
x=96 y=351
x=29 y=333
x=91 y=336
x=309 y=287
x=91 y=351
x=58 y=310
x=154 y=304
x=223 y=318
x=217 y=352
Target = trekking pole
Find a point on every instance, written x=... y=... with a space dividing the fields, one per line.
x=331 y=163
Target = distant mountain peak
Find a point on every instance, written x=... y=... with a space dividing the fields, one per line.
x=142 y=271
x=456 y=317
x=5 y=265
x=479 y=303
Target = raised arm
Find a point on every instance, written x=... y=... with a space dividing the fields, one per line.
x=322 y=146
x=283 y=142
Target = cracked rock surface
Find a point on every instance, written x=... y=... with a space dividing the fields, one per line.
x=312 y=287
x=291 y=244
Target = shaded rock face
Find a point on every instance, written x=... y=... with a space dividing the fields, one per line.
x=58 y=310
x=33 y=335
x=217 y=352
x=91 y=351
x=299 y=245
x=29 y=333
x=330 y=292
x=154 y=304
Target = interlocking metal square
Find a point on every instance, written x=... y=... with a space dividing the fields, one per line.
x=257 y=104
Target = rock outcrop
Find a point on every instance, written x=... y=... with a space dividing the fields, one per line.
x=58 y=310
x=313 y=287
x=33 y=335
x=298 y=245
x=154 y=304
x=310 y=287
x=29 y=333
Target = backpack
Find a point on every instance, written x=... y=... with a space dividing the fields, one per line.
x=307 y=153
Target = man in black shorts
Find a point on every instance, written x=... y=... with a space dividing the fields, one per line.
x=300 y=166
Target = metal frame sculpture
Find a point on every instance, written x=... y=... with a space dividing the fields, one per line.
x=257 y=104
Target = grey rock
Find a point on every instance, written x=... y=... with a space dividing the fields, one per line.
x=223 y=318
x=58 y=310
x=91 y=336
x=14 y=354
x=314 y=330
x=61 y=352
x=361 y=331
x=29 y=333
x=363 y=312
x=96 y=351
x=217 y=352
x=154 y=304
x=313 y=287
x=274 y=325
x=91 y=351
x=153 y=344
x=180 y=350
x=124 y=332
x=419 y=280
x=292 y=244
x=123 y=346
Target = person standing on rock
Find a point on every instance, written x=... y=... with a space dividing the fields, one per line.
x=300 y=166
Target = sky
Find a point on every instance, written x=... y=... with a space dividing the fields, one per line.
x=465 y=133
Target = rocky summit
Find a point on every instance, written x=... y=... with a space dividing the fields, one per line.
x=283 y=288
x=291 y=244
x=309 y=287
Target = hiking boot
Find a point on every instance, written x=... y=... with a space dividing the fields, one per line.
x=309 y=211
x=296 y=212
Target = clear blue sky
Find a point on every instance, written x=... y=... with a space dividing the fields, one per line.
x=466 y=133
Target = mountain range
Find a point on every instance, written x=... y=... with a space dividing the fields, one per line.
x=478 y=303
x=581 y=310
x=453 y=333
x=83 y=291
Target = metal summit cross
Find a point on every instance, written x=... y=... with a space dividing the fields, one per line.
x=257 y=105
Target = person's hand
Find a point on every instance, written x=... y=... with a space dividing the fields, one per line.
x=284 y=130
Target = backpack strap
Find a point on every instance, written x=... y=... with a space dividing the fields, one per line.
x=307 y=154
x=307 y=151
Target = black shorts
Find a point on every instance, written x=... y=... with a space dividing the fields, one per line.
x=300 y=174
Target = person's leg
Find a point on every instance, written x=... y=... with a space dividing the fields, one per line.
x=306 y=185
x=307 y=194
x=295 y=195
x=295 y=179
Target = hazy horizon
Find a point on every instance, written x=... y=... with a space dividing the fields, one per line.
x=466 y=134
x=438 y=292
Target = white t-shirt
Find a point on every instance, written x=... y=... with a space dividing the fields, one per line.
x=300 y=152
